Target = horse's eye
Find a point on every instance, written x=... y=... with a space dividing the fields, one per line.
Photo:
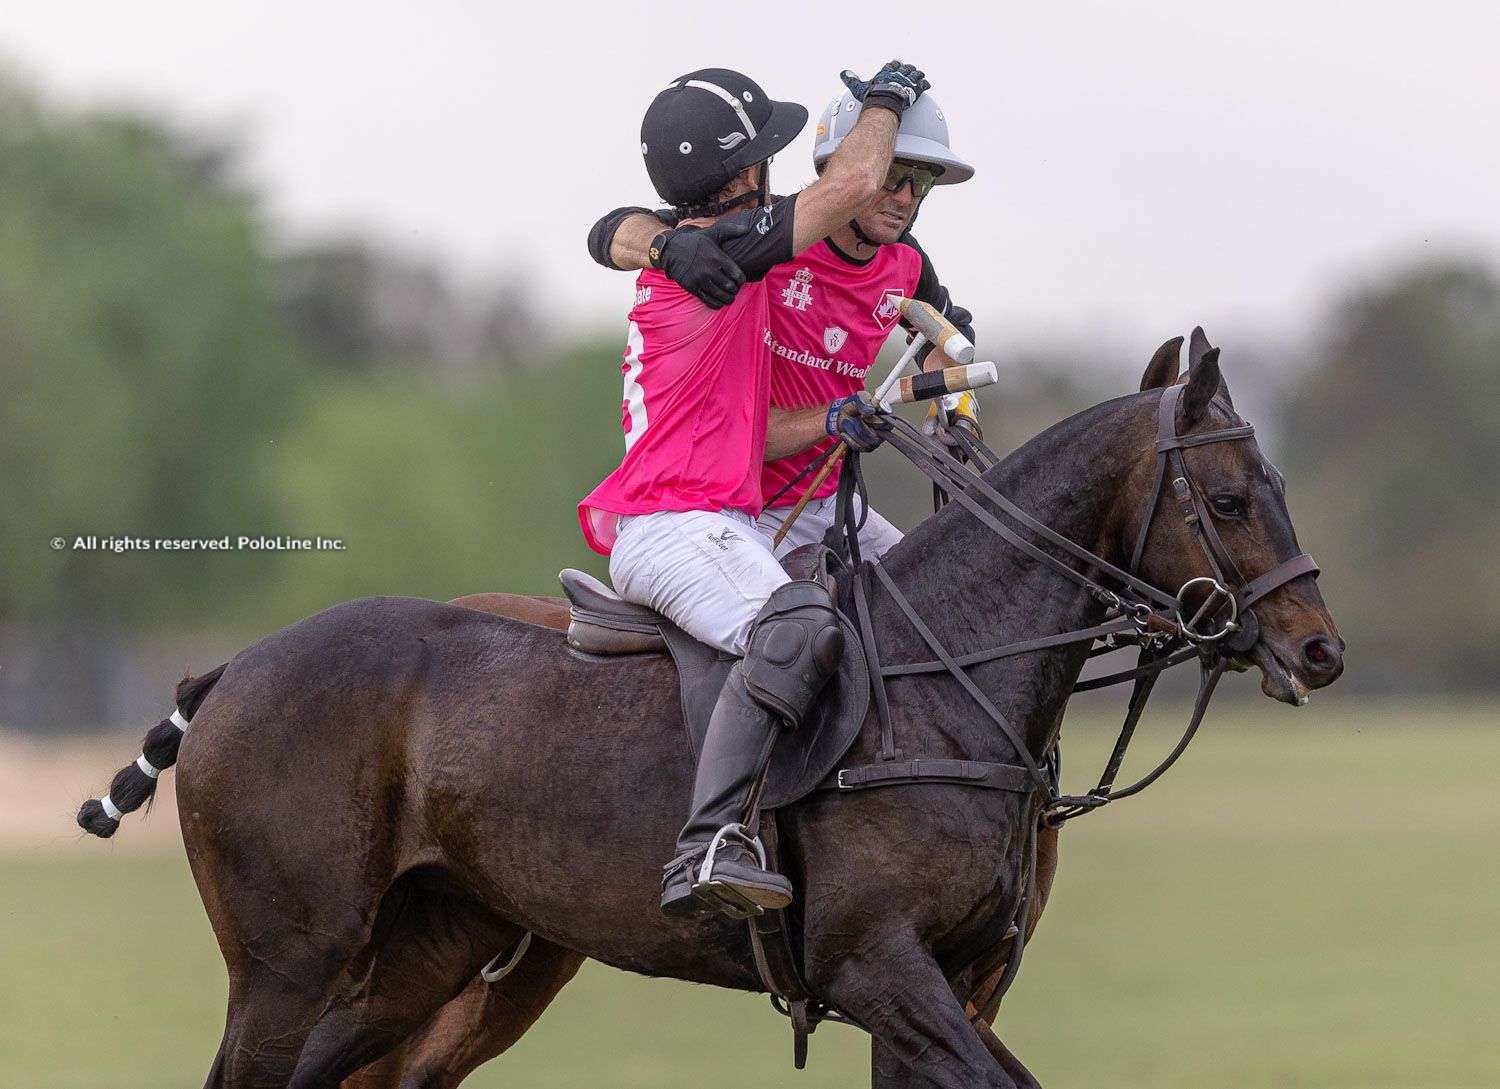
x=1230 y=506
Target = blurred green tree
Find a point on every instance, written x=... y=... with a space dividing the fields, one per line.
x=438 y=492
x=1392 y=444
x=141 y=361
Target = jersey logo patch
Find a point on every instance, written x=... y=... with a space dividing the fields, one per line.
x=798 y=291
x=889 y=310
x=763 y=222
x=834 y=338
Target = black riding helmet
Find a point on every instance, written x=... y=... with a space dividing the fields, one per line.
x=705 y=128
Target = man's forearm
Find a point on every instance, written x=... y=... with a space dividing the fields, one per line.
x=850 y=181
x=630 y=248
x=866 y=152
x=792 y=430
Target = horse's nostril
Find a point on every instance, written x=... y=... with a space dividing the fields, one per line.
x=1319 y=651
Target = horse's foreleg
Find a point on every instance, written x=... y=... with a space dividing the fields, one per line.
x=1046 y=873
x=898 y=992
x=481 y=1023
x=887 y=1071
x=1041 y=889
x=1003 y=1055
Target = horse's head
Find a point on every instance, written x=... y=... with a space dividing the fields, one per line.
x=1241 y=498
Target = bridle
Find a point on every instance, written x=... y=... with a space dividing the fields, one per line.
x=1227 y=587
x=1165 y=628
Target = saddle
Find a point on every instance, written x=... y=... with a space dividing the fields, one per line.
x=601 y=623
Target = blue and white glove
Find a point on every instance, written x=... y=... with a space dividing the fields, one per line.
x=857 y=421
x=894 y=87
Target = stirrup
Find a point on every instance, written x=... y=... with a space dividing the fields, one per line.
x=727 y=899
x=740 y=832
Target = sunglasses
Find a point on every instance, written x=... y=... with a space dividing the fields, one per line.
x=921 y=176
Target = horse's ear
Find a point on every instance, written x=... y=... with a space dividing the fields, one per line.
x=1197 y=346
x=1203 y=382
x=1162 y=370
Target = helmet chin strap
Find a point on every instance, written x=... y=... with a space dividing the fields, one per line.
x=866 y=240
x=761 y=196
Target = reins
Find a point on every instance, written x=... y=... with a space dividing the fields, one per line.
x=1137 y=613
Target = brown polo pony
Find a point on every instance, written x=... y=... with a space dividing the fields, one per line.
x=379 y=798
x=485 y=1020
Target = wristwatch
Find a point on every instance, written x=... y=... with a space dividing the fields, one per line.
x=658 y=245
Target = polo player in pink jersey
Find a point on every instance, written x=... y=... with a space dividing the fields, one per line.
x=677 y=517
x=831 y=310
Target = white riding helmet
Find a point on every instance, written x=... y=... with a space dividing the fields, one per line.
x=922 y=138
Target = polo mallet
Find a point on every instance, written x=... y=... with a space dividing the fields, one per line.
x=899 y=391
x=917 y=343
x=938 y=329
x=930 y=326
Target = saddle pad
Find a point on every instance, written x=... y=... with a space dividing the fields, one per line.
x=802 y=758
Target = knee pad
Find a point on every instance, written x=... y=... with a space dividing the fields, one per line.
x=795 y=646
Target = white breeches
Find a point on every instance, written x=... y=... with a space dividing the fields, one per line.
x=707 y=572
x=875 y=539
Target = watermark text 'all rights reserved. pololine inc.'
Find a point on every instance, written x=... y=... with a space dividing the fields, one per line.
x=226 y=543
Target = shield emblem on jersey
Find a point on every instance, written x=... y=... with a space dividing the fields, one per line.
x=889 y=310
x=834 y=337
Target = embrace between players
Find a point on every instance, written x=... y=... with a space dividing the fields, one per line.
x=756 y=319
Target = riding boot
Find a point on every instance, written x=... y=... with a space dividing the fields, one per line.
x=795 y=646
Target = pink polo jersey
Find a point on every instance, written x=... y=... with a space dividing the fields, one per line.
x=694 y=411
x=829 y=317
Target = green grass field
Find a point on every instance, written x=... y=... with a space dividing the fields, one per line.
x=1309 y=899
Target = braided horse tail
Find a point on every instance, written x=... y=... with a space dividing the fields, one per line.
x=135 y=783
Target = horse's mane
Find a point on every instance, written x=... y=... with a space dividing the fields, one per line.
x=1067 y=433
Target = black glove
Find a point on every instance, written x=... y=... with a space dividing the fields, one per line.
x=693 y=257
x=857 y=421
x=894 y=87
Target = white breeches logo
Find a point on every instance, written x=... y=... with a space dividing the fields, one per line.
x=635 y=395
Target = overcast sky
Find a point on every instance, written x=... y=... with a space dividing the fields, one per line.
x=1141 y=167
